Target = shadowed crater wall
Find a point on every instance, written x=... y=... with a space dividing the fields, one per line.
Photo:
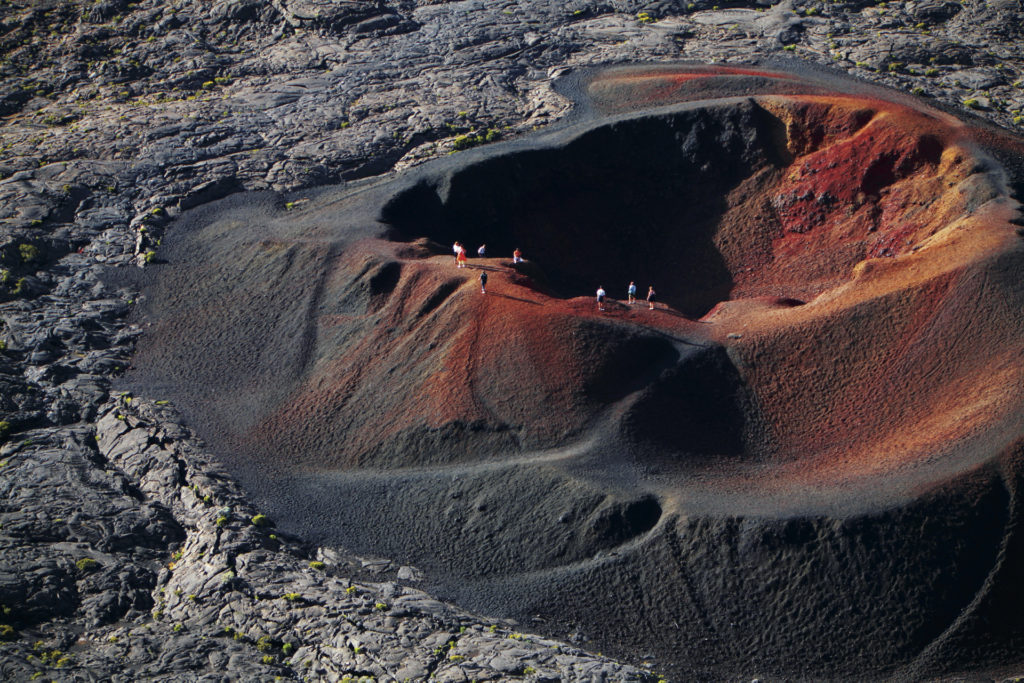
x=695 y=201
x=641 y=196
x=804 y=462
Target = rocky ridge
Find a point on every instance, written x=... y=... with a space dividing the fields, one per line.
x=118 y=115
x=233 y=600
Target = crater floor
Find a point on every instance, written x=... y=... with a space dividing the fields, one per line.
x=804 y=461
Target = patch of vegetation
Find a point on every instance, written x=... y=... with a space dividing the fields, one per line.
x=6 y=632
x=263 y=644
x=972 y=103
x=380 y=606
x=260 y=520
x=318 y=565
x=221 y=521
x=86 y=564
x=5 y=428
x=292 y=597
x=55 y=658
x=28 y=252
x=267 y=659
x=645 y=18
x=287 y=648
x=462 y=142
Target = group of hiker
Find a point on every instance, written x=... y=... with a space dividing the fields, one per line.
x=481 y=252
x=630 y=296
x=517 y=257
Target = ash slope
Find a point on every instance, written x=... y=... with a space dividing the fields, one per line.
x=660 y=467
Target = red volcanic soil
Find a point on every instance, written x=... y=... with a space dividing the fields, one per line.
x=828 y=400
x=469 y=375
x=871 y=220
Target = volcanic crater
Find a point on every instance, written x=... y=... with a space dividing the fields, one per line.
x=803 y=461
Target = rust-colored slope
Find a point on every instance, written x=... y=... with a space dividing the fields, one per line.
x=469 y=375
x=870 y=212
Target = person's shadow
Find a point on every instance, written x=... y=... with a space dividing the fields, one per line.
x=515 y=298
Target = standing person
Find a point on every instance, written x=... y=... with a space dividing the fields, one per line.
x=456 y=248
x=460 y=258
x=517 y=256
x=600 y=298
x=631 y=293
x=482 y=251
x=650 y=296
x=483 y=281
